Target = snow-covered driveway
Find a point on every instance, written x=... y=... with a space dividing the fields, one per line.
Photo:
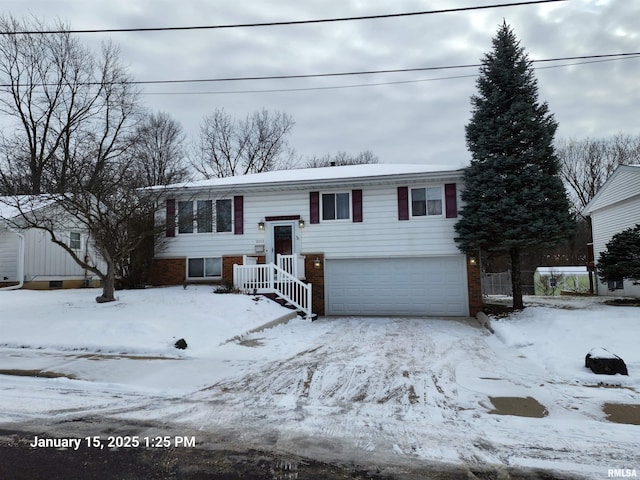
x=376 y=391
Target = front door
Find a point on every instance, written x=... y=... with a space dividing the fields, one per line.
x=281 y=239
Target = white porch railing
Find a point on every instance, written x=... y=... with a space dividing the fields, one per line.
x=293 y=264
x=270 y=278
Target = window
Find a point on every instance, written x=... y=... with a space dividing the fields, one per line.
x=223 y=215
x=336 y=206
x=205 y=216
x=204 y=267
x=74 y=241
x=185 y=217
x=426 y=201
x=615 y=284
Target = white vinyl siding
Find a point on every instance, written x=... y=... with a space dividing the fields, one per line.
x=44 y=260
x=9 y=248
x=608 y=221
x=380 y=233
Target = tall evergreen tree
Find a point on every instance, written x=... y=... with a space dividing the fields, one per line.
x=514 y=197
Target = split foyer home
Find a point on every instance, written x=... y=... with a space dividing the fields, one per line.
x=616 y=207
x=357 y=240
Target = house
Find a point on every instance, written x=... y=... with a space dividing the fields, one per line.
x=616 y=207
x=28 y=257
x=368 y=239
x=555 y=280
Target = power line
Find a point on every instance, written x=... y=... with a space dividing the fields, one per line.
x=361 y=85
x=282 y=23
x=370 y=72
x=612 y=56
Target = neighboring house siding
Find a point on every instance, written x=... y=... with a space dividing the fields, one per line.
x=46 y=261
x=608 y=221
x=616 y=207
x=624 y=185
x=9 y=245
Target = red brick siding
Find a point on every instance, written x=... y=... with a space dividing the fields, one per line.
x=315 y=276
x=474 y=286
x=167 y=271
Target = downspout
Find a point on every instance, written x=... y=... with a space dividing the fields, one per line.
x=20 y=262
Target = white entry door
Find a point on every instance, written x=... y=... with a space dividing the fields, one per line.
x=281 y=239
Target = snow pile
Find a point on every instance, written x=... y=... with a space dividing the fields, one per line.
x=558 y=339
x=378 y=391
x=145 y=322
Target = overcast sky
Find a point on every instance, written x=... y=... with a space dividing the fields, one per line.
x=419 y=121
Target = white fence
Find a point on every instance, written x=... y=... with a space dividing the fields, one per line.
x=271 y=278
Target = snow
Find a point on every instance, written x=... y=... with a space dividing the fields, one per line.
x=393 y=392
x=347 y=172
x=11 y=207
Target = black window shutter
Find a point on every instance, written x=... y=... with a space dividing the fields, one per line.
x=314 y=207
x=450 y=200
x=356 y=204
x=403 y=203
x=238 y=214
x=171 y=217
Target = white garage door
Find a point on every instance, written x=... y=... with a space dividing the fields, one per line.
x=433 y=286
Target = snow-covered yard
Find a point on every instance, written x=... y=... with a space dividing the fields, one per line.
x=394 y=392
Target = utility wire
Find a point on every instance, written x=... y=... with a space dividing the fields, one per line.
x=611 y=56
x=283 y=23
x=361 y=85
x=371 y=72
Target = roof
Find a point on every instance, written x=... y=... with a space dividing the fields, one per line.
x=575 y=270
x=325 y=175
x=622 y=184
x=11 y=207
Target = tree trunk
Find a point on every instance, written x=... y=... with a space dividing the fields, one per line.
x=108 y=284
x=516 y=278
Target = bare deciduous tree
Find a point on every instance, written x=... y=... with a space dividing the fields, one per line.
x=230 y=147
x=586 y=164
x=49 y=90
x=75 y=118
x=158 y=151
x=342 y=158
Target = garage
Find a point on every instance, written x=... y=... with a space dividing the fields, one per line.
x=414 y=286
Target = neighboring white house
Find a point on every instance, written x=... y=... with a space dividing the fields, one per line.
x=370 y=239
x=616 y=207
x=29 y=259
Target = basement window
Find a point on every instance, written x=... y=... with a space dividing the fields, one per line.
x=615 y=284
x=204 y=268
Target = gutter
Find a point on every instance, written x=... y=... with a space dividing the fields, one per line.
x=21 y=251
